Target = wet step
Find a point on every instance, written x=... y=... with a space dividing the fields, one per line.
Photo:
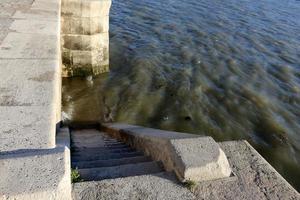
x=112 y=147
x=95 y=144
x=110 y=163
x=105 y=156
x=120 y=171
x=93 y=139
x=97 y=156
x=101 y=150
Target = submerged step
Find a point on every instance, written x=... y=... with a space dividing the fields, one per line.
x=77 y=149
x=110 y=163
x=120 y=171
x=88 y=152
x=95 y=144
x=106 y=156
x=101 y=150
x=98 y=156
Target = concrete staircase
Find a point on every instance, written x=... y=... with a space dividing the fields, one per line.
x=98 y=156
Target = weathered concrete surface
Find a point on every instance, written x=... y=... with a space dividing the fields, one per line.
x=254 y=178
x=37 y=174
x=151 y=187
x=85 y=38
x=177 y=151
x=8 y=8
x=30 y=74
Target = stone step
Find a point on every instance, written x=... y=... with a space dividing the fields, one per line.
x=96 y=143
x=106 y=156
x=86 y=132
x=101 y=149
x=110 y=163
x=78 y=149
x=92 y=151
x=94 y=137
x=82 y=147
x=94 y=174
x=78 y=137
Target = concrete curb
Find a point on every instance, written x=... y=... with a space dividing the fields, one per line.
x=191 y=157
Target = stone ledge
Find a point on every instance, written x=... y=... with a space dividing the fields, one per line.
x=178 y=152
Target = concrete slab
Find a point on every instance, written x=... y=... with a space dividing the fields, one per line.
x=37 y=15
x=35 y=26
x=36 y=46
x=48 y=5
x=36 y=85
x=4 y=27
x=26 y=127
x=9 y=7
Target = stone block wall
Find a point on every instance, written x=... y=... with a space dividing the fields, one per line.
x=85 y=37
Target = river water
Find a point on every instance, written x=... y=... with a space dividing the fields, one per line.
x=228 y=69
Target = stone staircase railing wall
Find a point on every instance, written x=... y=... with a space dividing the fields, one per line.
x=85 y=37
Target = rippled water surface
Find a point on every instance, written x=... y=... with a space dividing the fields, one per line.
x=229 y=69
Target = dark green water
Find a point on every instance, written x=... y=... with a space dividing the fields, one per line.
x=228 y=69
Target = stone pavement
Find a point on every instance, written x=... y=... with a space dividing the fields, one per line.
x=30 y=73
x=34 y=161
